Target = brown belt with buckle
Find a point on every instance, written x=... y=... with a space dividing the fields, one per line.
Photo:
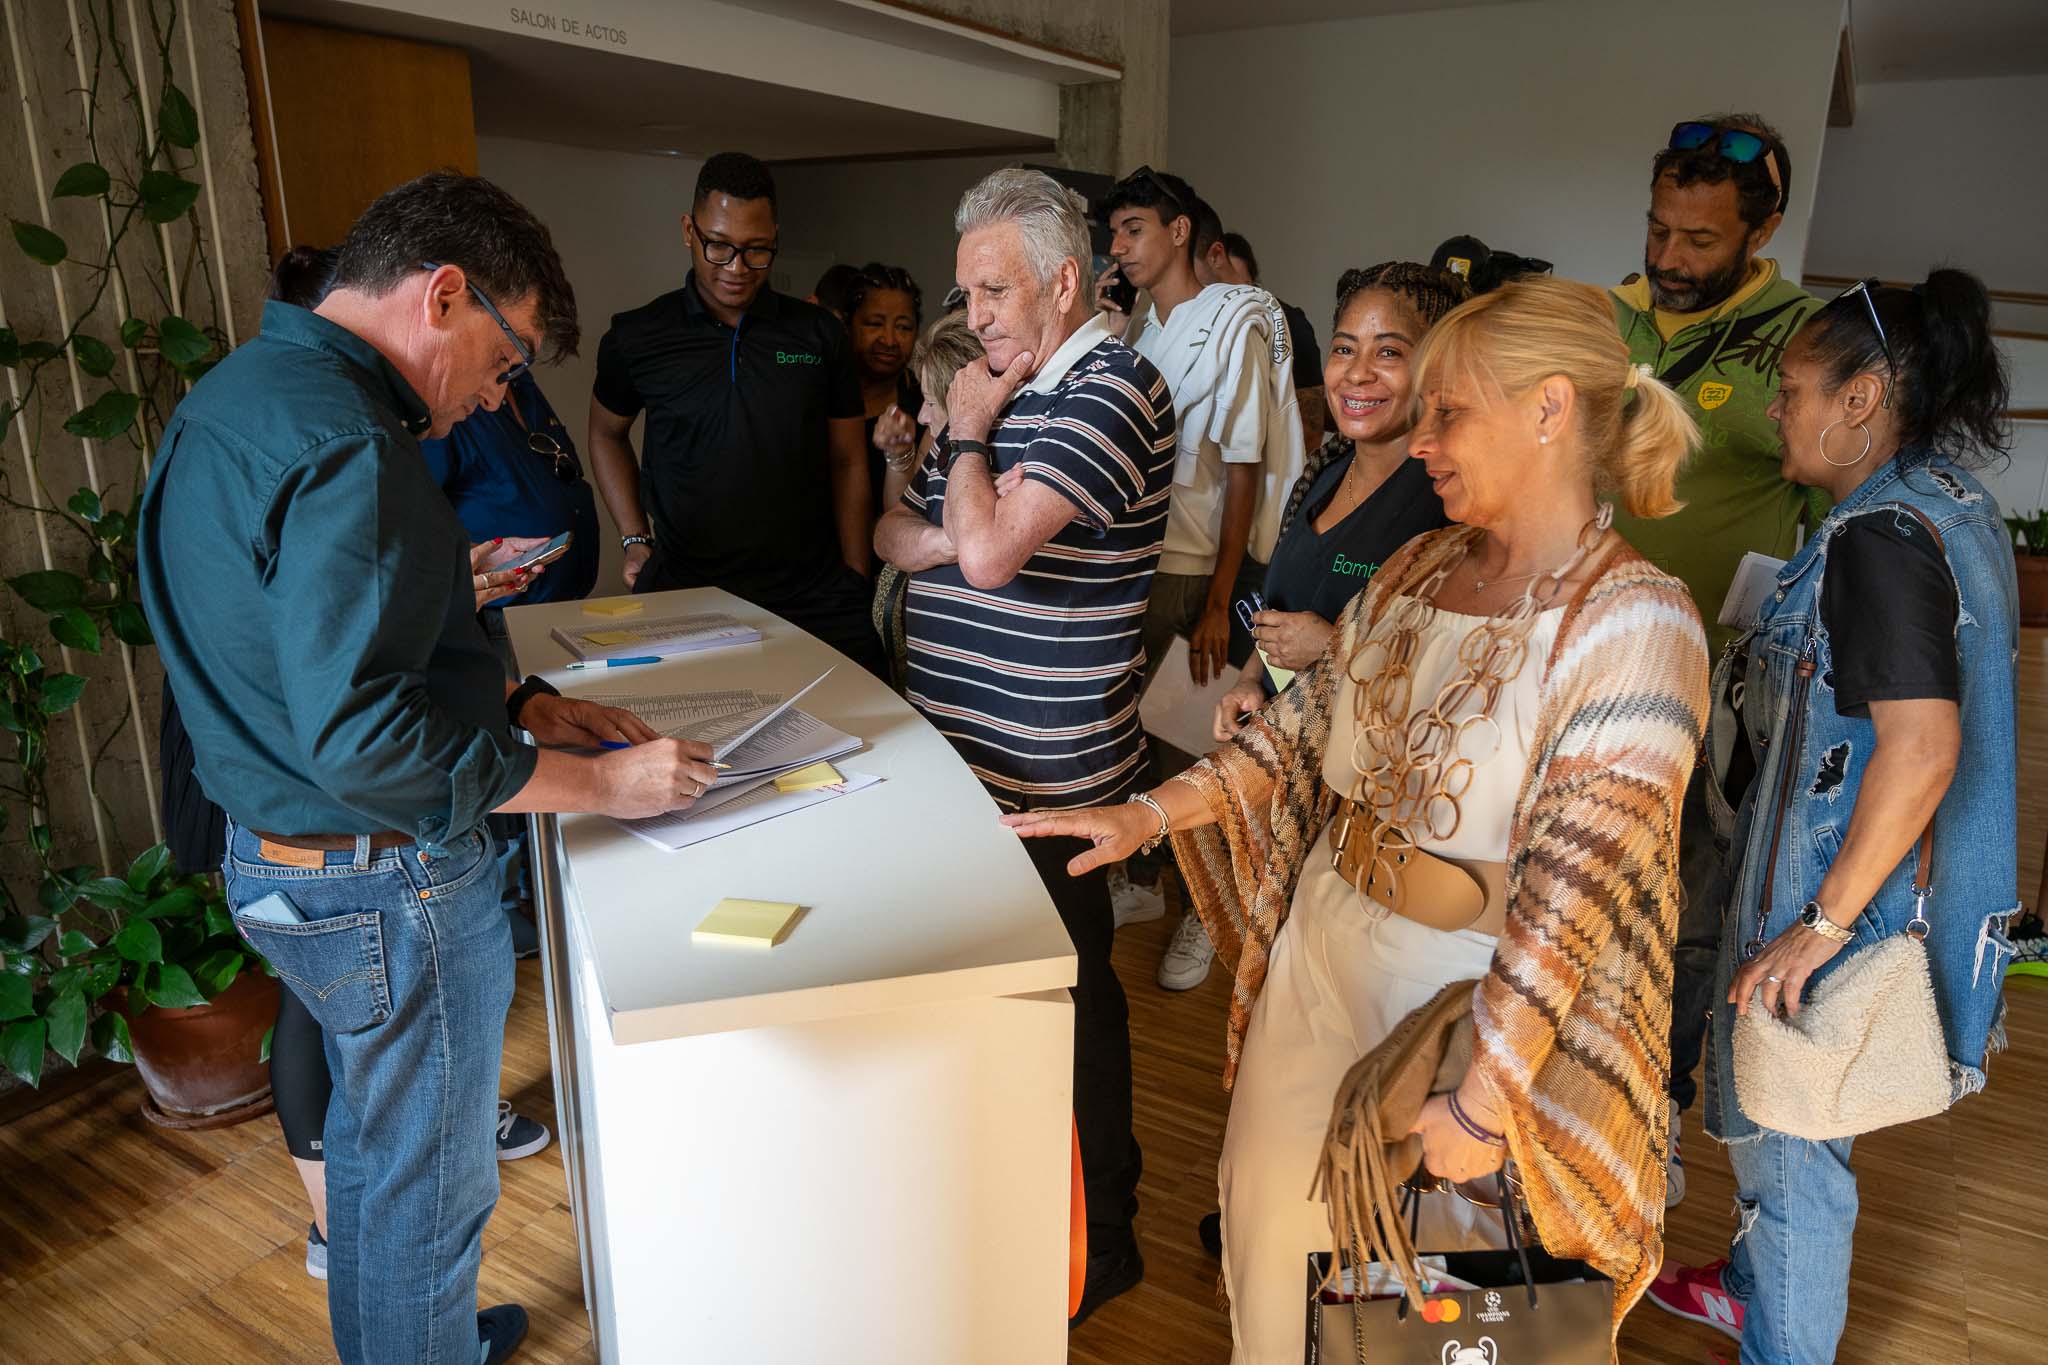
x=310 y=850
x=1444 y=893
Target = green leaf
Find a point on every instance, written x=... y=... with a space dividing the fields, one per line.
x=102 y=977
x=17 y=996
x=10 y=716
x=73 y=944
x=26 y=660
x=111 y=893
x=60 y=692
x=49 y=589
x=129 y=625
x=110 y=1037
x=66 y=1018
x=86 y=180
x=86 y=504
x=148 y=866
x=106 y=417
x=263 y=1052
x=39 y=244
x=173 y=902
x=181 y=343
x=133 y=331
x=95 y=357
x=218 y=920
x=175 y=116
x=175 y=988
x=166 y=197
x=218 y=971
x=74 y=626
x=21 y=1048
x=112 y=525
x=40 y=350
x=139 y=941
x=25 y=933
x=10 y=349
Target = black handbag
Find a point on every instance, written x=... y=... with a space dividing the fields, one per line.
x=1530 y=1308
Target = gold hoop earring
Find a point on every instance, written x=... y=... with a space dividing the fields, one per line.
x=1843 y=464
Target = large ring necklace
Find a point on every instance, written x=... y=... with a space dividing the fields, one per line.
x=1415 y=762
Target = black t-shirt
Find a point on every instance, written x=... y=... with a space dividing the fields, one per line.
x=1888 y=603
x=735 y=465
x=1322 y=572
x=1308 y=352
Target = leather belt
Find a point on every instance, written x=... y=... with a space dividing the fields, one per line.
x=307 y=850
x=1448 y=894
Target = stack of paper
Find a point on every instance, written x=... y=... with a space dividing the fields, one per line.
x=663 y=638
x=723 y=811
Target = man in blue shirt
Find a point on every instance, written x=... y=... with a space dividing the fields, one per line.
x=309 y=588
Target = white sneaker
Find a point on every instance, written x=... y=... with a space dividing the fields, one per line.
x=1134 y=904
x=1674 y=1165
x=1186 y=964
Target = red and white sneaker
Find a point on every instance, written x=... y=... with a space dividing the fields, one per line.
x=1696 y=1292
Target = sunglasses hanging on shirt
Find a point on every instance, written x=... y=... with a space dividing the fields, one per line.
x=545 y=446
x=1731 y=144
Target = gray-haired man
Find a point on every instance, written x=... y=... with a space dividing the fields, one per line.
x=1031 y=532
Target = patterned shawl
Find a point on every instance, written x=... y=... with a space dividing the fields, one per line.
x=1573 y=1017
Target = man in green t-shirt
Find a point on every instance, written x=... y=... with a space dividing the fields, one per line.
x=1711 y=317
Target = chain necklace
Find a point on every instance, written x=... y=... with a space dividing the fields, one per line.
x=1416 y=763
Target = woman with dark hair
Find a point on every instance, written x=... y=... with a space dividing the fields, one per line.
x=1359 y=497
x=1869 y=713
x=884 y=310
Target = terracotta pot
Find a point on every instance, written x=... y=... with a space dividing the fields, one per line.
x=201 y=1063
x=2033 y=589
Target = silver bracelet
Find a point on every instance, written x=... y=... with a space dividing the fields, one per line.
x=1165 y=824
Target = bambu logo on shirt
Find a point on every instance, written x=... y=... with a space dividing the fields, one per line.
x=1353 y=568
x=1713 y=395
x=798 y=358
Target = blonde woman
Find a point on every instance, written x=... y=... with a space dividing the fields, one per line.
x=945 y=346
x=1502 y=725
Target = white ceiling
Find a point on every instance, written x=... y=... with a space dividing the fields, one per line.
x=1895 y=40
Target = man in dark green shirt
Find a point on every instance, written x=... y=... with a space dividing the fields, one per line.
x=309 y=588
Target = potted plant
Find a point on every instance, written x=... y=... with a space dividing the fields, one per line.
x=181 y=995
x=2030 y=557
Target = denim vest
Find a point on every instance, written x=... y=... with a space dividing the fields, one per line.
x=1778 y=675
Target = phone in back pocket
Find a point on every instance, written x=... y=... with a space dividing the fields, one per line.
x=274 y=908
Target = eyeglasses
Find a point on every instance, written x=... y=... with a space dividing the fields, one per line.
x=721 y=253
x=1145 y=175
x=1863 y=288
x=1731 y=144
x=525 y=361
x=566 y=467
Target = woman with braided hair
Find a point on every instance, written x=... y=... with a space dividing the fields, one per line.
x=1359 y=497
x=1475 y=786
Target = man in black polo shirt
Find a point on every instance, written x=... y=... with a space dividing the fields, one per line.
x=755 y=478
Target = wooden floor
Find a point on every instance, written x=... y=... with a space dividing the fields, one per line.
x=121 y=1242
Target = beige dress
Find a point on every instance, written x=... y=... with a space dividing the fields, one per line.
x=1343 y=972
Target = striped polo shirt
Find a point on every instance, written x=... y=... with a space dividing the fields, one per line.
x=1036 y=683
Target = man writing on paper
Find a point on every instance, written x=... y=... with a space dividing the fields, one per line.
x=1223 y=350
x=1711 y=317
x=309 y=589
x=1023 y=611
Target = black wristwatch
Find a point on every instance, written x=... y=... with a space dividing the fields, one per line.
x=955 y=448
x=526 y=692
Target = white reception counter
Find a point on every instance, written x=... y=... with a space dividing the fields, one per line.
x=854 y=1146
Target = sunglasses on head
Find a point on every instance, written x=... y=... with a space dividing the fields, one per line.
x=1862 y=289
x=1731 y=144
x=1145 y=175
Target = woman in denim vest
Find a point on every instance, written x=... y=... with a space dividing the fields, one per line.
x=1874 y=693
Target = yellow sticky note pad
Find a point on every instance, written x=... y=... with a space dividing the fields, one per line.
x=609 y=637
x=809 y=779
x=613 y=606
x=752 y=924
x=1280 y=676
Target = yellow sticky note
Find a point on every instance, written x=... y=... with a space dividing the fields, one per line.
x=614 y=606
x=609 y=637
x=809 y=779
x=753 y=924
x=1280 y=676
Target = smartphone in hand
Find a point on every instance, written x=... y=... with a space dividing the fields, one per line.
x=546 y=554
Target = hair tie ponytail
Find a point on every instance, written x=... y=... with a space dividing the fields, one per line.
x=1636 y=375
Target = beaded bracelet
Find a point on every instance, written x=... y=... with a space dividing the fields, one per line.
x=1471 y=1126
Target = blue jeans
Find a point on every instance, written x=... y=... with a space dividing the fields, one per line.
x=406 y=961
x=1789 y=1262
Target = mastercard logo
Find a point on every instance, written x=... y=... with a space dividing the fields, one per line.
x=1442 y=1310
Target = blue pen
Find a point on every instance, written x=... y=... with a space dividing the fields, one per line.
x=618 y=663
x=621 y=744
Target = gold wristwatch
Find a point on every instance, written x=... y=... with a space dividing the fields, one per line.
x=1813 y=918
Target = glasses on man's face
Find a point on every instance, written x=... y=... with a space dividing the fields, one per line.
x=525 y=361
x=548 y=448
x=1863 y=288
x=719 y=252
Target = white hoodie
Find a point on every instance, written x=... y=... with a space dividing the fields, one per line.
x=1225 y=355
